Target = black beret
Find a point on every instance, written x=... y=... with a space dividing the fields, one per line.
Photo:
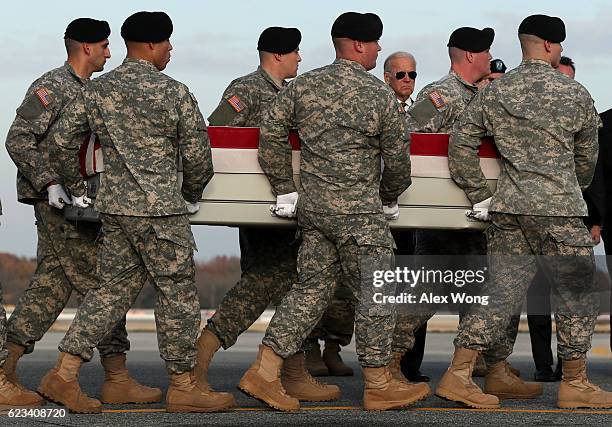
x=548 y=28
x=364 y=27
x=498 y=66
x=279 y=40
x=87 y=30
x=147 y=27
x=471 y=39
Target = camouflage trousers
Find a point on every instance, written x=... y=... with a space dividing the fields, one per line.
x=453 y=250
x=66 y=262
x=268 y=264
x=133 y=251
x=336 y=248
x=517 y=245
x=3 y=350
x=338 y=321
x=269 y=269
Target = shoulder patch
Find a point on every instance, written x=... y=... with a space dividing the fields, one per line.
x=236 y=103
x=43 y=96
x=436 y=99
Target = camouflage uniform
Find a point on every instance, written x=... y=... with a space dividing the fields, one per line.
x=267 y=256
x=145 y=121
x=463 y=249
x=66 y=251
x=545 y=127
x=347 y=121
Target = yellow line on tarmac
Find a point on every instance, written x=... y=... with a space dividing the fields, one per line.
x=353 y=408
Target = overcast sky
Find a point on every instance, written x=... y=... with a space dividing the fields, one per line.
x=215 y=41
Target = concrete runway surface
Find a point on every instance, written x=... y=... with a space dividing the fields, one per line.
x=228 y=366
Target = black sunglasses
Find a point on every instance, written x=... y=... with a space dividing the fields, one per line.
x=401 y=74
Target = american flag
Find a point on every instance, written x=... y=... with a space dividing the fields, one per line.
x=436 y=99
x=236 y=103
x=43 y=96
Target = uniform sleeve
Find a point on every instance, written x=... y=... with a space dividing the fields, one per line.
x=463 y=160
x=425 y=116
x=274 y=149
x=34 y=117
x=65 y=139
x=586 y=147
x=234 y=108
x=395 y=152
x=194 y=147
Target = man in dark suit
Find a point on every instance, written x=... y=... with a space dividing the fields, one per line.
x=602 y=184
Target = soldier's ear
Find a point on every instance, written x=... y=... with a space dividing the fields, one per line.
x=547 y=46
x=86 y=48
x=387 y=77
x=469 y=56
x=358 y=46
x=278 y=57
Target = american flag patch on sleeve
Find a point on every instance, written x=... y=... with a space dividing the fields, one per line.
x=43 y=96
x=436 y=99
x=236 y=103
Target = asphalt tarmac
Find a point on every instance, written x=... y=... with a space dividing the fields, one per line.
x=228 y=366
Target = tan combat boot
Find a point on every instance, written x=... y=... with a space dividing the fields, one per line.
x=395 y=367
x=333 y=361
x=262 y=381
x=457 y=385
x=186 y=394
x=300 y=384
x=383 y=392
x=575 y=390
x=515 y=372
x=480 y=367
x=314 y=363
x=61 y=385
x=119 y=387
x=501 y=382
x=15 y=351
x=207 y=345
x=12 y=396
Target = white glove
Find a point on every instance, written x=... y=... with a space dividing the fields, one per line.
x=57 y=196
x=285 y=206
x=391 y=212
x=480 y=210
x=81 y=202
x=192 y=207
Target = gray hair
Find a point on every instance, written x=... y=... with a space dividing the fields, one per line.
x=396 y=55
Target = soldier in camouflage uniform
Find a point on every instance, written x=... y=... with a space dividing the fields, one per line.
x=545 y=127
x=11 y=395
x=347 y=121
x=437 y=107
x=145 y=120
x=66 y=250
x=268 y=256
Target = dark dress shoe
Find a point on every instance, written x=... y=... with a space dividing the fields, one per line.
x=417 y=377
x=545 y=376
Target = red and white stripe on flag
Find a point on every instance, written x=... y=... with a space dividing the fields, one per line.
x=91 y=161
x=235 y=151
x=43 y=96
